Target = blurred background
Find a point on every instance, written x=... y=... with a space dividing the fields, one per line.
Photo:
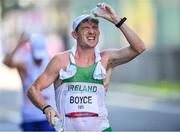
x=144 y=94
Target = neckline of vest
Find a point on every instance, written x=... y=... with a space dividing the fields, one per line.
x=83 y=67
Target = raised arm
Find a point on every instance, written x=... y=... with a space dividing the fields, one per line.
x=125 y=54
x=8 y=60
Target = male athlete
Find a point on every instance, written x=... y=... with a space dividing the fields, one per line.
x=81 y=75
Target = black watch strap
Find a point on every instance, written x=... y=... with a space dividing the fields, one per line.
x=118 y=25
x=47 y=106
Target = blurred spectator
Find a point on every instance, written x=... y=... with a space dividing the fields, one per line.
x=55 y=44
x=30 y=57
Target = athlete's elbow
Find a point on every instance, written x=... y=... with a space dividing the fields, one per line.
x=31 y=92
x=141 y=48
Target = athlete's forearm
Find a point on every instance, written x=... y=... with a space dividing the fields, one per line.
x=133 y=39
x=38 y=100
x=8 y=60
x=36 y=97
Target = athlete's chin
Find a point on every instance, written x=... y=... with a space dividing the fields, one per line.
x=92 y=45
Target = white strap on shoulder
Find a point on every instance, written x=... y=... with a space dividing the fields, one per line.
x=99 y=72
x=69 y=72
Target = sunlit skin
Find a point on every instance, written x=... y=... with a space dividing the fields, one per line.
x=87 y=35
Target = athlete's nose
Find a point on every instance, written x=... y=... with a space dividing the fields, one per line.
x=91 y=30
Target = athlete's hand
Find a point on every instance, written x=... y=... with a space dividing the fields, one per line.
x=50 y=113
x=109 y=13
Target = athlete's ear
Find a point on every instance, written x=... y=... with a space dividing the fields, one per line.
x=74 y=34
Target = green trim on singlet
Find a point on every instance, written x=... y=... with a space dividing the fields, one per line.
x=109 y=129
x=84 y=74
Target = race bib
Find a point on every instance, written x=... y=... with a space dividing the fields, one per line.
x=79 y=103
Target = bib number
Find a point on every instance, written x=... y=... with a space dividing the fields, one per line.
x=81 y=103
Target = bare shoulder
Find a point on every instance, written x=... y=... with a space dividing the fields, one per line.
x=61 y=55
x=60 y=60
x=105 y=54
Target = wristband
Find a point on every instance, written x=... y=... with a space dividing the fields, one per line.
x=118 y=25
x=45 y=107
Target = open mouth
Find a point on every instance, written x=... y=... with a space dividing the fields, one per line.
x=91 y=38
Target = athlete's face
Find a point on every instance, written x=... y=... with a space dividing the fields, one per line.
x=87 y=34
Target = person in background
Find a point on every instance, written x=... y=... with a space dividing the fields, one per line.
x=30 y=64
x=55 y=44
x=81 y=75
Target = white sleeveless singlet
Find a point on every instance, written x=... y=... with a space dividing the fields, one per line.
x=80 y=99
